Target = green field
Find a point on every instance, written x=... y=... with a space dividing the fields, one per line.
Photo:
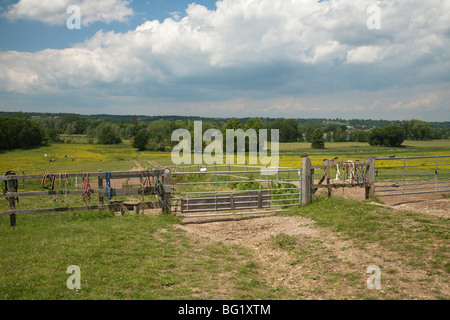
x=86 y=158
x=94 y=157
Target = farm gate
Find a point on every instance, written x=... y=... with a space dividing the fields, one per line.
x=412 y=175
x=226 y=190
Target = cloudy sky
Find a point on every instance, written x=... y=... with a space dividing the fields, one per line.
x=230 y=58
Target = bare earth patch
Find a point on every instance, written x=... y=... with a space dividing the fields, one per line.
x=426 y=203
x=321 y=264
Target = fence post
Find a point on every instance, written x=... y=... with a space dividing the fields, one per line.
x=12 y=206
x=100 y=189
x=370 y=177
x=327 y=173
x=306 y=181
x=167 y=204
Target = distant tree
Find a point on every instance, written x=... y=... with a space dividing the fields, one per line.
x=376 y=137
x=234 y=124
x=253 y=123
x=390 y=136
x=317 y=140
x=418 y=130
x=160 y=134
x=141 y=140
x=53 y=135
x=308 y=131
x=300 y=133
x=19 y=133
x=108 y=136
x=359 y=136
x=395 y=135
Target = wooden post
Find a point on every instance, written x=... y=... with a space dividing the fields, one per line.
x=306 y=181
x=167 y=204
x=12 y=216
x=370 y=177
x=100 y=188
x=65 y=189
x=12 y=203
x=326 y=176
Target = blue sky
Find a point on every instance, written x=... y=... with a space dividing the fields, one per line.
x=230 y=58
x=33 y=35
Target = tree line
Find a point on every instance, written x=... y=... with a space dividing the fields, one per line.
x=153 y=133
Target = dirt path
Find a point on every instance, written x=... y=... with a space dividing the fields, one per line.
x=321 y=265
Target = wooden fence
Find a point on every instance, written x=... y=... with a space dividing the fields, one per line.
x=349 y=174
x=154 y=182
x=159 y=182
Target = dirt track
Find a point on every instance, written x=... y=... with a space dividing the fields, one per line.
x=343 y=261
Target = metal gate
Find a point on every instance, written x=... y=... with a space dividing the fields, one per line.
x=411 y=175
x=204 y=191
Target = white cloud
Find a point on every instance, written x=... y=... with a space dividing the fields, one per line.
x=365 y=54
x=54 y=12
x=243 y=51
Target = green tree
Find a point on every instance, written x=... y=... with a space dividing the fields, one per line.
x=141 y=140
x=234 y=124
x=418 y=130
x=390 y=136
x=253 y=123
x=53 y=135
x=317 y=140
x=19 y=133
x=359 y=136
x=160 y=134
x=108 y=136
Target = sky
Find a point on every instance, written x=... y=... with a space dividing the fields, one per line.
x=344 y=59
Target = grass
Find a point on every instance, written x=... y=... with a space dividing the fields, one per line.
x=127 y=257
x=408 y=234
x=86 y=158
x=291 y=154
